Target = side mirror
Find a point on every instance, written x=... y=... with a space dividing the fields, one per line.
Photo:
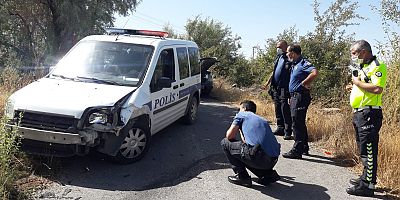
x=51 y=68
x=164 y=82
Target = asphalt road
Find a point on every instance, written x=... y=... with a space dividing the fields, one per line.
x=186 y=162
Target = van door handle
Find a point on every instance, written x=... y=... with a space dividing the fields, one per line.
x=182 y=84
x=175 y=86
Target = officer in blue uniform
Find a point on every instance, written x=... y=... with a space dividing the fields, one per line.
x=280 y=91
x=258 y=150
x=301 y=76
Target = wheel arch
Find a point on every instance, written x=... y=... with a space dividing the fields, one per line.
x=111 y=144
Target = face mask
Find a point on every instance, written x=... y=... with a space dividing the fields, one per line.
x=279 y=51
x=356 y=60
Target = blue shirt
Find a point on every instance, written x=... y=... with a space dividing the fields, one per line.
x=256 y=130
x=281 y=72
x=300 y=70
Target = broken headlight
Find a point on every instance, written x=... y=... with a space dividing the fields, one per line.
x=98 y=117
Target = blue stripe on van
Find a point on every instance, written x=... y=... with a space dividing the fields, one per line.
x=189 y=90
x=149 y=104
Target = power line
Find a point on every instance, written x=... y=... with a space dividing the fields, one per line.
x=158 y=21
x=162 y=21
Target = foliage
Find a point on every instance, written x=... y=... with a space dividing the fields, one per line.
x=35 y=31
x=215 y=40
x=8 y=150
x=327 y=47
x=171 y=32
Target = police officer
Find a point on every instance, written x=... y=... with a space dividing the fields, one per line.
x=301 y=76
x=280 y=91
x=258 y=149
x=366 y=100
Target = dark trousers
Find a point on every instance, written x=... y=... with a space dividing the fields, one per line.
x=282 y=111
x=242 y=156
x=299 y=103
x=367 y=124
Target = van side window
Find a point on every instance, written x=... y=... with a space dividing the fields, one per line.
x=183 y=61
x=194 y=61
x=165 y=68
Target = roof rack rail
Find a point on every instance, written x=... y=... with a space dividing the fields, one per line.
x=121 y=31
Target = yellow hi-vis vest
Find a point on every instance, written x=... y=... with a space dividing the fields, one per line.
x=376 y=73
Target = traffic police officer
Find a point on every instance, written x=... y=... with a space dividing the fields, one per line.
x=280 y=91
x=366 y=100
x=301 y=76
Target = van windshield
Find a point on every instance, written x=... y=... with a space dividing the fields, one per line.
x=105 y=62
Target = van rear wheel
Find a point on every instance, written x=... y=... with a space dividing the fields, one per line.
x=134 y=146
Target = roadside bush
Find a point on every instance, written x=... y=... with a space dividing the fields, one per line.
x=8 y=149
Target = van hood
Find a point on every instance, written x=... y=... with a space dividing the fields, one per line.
x=66 y=97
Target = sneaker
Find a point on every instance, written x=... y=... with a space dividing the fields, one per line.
x=355 y=181
x=306 y=153
x=292 y=154
x=279 y=132
x=359 y=190
x=266 y=180
x=287 y=137
x=243 y=181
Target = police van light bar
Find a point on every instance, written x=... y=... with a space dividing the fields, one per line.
x=120 y=31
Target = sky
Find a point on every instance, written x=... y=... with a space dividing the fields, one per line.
x=254 y=21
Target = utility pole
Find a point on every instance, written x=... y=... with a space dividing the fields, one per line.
x=255 y=53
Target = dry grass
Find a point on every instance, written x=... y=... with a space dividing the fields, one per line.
x=333 y=130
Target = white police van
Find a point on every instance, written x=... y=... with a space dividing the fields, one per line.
x=111 y=93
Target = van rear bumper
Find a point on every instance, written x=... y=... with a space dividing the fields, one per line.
x=48 y=136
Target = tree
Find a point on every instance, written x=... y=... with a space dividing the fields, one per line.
x=214 y=40
x=327 y=47
x=30 y=31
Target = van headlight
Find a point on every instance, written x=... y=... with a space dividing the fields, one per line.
x=9 y=110
x=98 y=118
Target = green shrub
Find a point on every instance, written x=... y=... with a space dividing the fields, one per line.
x=8 y=149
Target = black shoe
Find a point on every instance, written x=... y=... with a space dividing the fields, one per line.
x=279 y=132
x=266 y=180
x=243 y=181
x=306 y=153
x=355 y=181
x=287 y=137
x=292 y=154
x=359 y=190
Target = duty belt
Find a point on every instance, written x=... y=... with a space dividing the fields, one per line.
x=293 y=94
x=366 y=107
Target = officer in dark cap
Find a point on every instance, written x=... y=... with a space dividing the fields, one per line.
x=301 y=76
x=279 y=91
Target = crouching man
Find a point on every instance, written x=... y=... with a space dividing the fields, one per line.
x=258 y=149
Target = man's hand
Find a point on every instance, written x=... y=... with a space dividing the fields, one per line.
x=307 y=86
x=369 y=87
x=264 y=87
x=349 y=87
x=356 y=80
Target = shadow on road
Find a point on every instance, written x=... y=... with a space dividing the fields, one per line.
x=175 y=151
x=331 y=161
x=287 y=188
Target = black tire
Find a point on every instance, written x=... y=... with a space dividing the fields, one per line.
x=191 y=114
x=134 y=146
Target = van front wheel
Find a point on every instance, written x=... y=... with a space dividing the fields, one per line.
x=135 y=145
x=191 y=115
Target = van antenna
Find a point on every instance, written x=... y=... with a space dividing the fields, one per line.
x=122 y=28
